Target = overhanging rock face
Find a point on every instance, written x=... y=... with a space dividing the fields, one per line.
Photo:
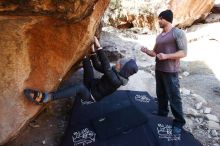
x=72 y=10
x=39 y=42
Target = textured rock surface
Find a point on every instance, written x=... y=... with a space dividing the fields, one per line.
x=37 y=51
x=144 y=13
x=71 y=10
x=216 y=8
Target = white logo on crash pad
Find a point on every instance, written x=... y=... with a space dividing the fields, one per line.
x=86 y=102
x=142 y=98
x=165 y=132
x=83 y=137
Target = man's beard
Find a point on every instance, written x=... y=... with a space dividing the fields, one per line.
x=161 y=26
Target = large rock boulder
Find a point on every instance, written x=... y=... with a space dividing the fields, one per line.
x=216 y=8
x=129 y=13
x=39 y=42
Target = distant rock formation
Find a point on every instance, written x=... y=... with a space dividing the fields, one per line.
x=144 y=13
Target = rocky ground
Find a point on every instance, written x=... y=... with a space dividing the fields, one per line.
x=199 y=77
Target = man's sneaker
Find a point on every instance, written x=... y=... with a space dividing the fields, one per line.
x=177 y=130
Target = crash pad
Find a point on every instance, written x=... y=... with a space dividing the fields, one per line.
x=132 y=123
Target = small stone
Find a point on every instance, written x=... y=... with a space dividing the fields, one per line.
x=198 y=105
x=201 y=111
x=203 y=126
x=199 y=120
x=207 y=110
x=190 y=129
x=152 y=72
x=213 y=125
x=189 y=121
x=216 y=144
x=44 y=142
x=185 y=73
x=192 y=112
x=180 y=77
x=185 y=91
x=199 y=98
x=214 y=133
x=216 y=138
x=212 y=118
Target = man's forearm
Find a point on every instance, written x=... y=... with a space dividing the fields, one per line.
x=150 y=53
x=105 y=64
x=177 y=55
x=96 y=63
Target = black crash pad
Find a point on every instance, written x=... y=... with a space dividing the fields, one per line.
x=132 y=123
x=117 y=122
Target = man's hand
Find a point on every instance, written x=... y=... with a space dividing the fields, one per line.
x=148 y=52
x=162 y=56
x=144 y=49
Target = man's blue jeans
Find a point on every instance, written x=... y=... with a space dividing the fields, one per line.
x=167 y=89
x=80 y=90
